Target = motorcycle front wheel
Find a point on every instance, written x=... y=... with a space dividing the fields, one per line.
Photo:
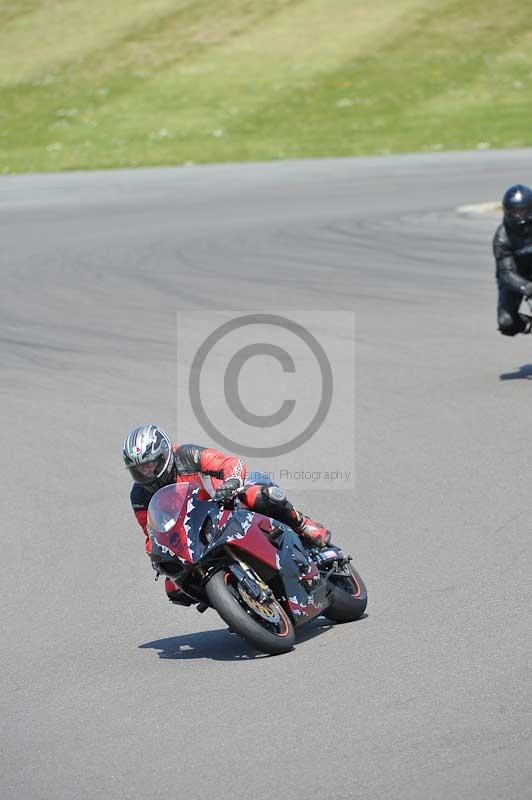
x=265 y=626
x=348 y=598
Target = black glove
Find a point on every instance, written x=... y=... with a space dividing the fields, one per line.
x=227 y=491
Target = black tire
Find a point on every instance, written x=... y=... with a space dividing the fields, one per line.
x=224 y=598
x=348 y=598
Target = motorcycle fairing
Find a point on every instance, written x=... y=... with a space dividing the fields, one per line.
x=176 y=522
x=247 y=531
x=305 y=590
x=181 y=539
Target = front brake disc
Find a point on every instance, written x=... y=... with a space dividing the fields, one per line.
x=266 y=610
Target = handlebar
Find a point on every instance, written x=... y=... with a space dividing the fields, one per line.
x=221 y=501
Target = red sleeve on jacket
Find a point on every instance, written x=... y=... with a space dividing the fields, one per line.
x=142 y=518
x=215 y=463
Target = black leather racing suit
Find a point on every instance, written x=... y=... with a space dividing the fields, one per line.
x=513 y=258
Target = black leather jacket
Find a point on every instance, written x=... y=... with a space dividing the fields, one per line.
x=513 y=258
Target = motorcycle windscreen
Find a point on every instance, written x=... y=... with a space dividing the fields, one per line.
x=176 y=515
x=166 y=506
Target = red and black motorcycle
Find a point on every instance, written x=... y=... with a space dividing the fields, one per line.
x=252 y=570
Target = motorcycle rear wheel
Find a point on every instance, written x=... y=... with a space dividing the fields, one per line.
x=272 y=638
x=348 y=598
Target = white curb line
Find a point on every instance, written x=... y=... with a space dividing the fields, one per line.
x=480 y=208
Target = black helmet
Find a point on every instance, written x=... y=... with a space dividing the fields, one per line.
x=517 y=205
x=149 y=457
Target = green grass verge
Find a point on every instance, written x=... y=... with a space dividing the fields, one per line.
x=178 y=81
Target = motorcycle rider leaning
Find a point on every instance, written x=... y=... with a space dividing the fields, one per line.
x=154 y=462
x=512 y=248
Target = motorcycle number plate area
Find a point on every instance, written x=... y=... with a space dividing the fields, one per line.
x=327 y=556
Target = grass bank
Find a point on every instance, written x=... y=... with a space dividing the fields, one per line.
x=178 y=81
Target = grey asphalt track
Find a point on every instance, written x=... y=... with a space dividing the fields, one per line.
x=109 y=692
